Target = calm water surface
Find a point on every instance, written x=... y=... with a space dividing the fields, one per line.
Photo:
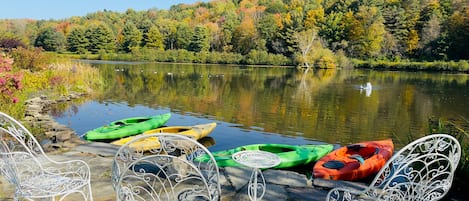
x=274 y=105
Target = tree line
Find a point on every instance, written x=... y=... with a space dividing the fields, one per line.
x=365 y=29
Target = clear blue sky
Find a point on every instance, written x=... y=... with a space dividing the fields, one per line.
x=61 y=9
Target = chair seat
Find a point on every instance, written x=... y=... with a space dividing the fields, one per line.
x=46 y=185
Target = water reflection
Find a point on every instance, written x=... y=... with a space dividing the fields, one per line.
x=207 y=141
x=271 y=105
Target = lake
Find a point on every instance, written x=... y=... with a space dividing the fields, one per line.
x=274 y=104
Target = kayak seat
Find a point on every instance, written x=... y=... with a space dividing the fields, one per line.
x=357 y=157
x=275 y=149
x=168 y=172
x=334 y=164
x=355 y=147
x=119 y=123
x=142 y=120
x=422 y=170
x=135 y=120
x=363 y=151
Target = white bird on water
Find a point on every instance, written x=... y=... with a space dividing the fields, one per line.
x=367 y=89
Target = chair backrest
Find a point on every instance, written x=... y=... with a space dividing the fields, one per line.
x=422 y=170
x=15 y=137
x=24 y=164
x=166 y=172
x=18 y=148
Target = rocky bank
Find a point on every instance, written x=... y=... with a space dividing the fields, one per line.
x=56 y=137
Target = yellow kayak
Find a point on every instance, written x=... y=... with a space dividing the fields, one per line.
x=197 y=132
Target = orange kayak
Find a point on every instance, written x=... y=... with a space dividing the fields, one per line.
x=355 y=161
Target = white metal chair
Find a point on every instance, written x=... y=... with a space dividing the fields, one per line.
x=35 y=176
x=168 y=171
x=422 y=170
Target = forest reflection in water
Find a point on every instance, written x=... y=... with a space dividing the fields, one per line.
x=275 y=105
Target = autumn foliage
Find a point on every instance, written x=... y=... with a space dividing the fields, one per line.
x=390 y=30
x=10 y=81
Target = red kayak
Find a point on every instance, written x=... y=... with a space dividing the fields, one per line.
x=355 y=161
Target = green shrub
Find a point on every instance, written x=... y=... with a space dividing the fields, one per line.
x=261 y=57
x=230 y=58
x=30 y=59
x=452 y=66
x=202 y=57
x=184 y=56
x=255 y=57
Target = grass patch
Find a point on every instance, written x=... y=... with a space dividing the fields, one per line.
x=458 y=128
x=450 y=66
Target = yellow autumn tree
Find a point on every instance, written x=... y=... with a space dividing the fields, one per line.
x=412 y=41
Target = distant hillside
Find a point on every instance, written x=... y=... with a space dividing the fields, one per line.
x=393 y=29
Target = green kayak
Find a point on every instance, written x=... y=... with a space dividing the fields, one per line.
x=290 y=155
x=126 y=127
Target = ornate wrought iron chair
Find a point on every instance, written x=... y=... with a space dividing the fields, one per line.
x=35 y=176
x=422 y=170
x=167 y=171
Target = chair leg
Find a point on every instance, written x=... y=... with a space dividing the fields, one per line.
x=90 y=193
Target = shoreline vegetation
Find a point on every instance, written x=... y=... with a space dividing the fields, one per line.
x=461 y=66
x=182 y=56
x=26 y=74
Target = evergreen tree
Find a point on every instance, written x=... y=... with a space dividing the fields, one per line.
x=50 y=40
x=268 y=29
x=332 y=30
x=101 y=38
x=431 y=32
x=154 y=39
x=132 y=37
x=183 y=36
x=77 y=41
x=200 y=40
x=458 y=34
x=395 y=24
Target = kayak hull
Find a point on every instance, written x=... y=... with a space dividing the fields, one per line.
x=196 y=132
x=354 y=162
x=290 y=155
x=126 y=127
